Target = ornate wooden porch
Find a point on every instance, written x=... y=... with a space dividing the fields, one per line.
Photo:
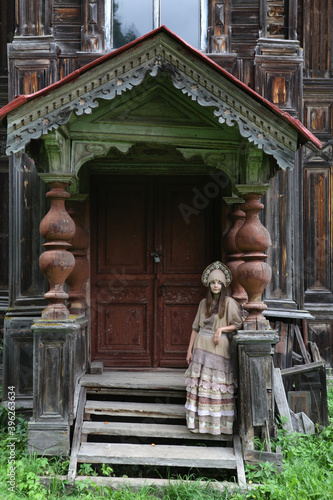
x=138 y=418
x=216 y=121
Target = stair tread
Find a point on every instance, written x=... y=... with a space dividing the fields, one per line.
x=152 y=380
x=147 y=430
x=135 y=409
x=168 y=455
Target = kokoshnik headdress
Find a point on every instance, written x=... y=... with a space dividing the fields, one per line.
x=219 y=271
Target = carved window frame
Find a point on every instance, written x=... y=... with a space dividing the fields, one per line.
x=156 y=22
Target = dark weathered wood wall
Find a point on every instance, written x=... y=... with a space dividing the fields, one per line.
x=317 y=31
x=260 y=47
x=6 y=35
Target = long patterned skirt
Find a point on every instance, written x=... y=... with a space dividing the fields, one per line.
x=210 y=386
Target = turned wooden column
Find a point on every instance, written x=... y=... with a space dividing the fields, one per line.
x=56 y=262
x=76 y=281
x=234 y=256
x=253 y=240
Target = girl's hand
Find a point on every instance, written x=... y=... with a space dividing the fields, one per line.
x=189 y=357
x=217 y=335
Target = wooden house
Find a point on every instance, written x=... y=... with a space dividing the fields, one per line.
x=161 y=128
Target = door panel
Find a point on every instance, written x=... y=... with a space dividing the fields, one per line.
x=187 y=244
x=186 y=239
x=123 y=228
x=178 y=307
x=141 y=310
x=123 y=318
x=122 y=301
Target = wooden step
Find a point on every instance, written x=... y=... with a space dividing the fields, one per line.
x=124 y=409
x=144 y=393
x=159 y=455
x=148 y=430
x=168 y=380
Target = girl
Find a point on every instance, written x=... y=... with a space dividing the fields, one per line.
x=210 y=383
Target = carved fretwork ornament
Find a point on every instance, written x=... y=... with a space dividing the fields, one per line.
x=229 y=104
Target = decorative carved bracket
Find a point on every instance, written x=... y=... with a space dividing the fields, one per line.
x=52 y=152
x=83 y=151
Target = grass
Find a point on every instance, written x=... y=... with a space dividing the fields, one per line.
x=307 y=473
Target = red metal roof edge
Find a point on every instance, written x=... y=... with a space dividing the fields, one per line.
x=294 y=122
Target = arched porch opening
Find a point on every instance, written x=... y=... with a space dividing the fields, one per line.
x=155 y=220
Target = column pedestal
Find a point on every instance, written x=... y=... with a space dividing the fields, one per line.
x=256 y=405
x=53 y=373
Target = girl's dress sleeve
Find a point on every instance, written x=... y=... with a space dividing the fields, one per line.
x=234 y=313
x=196 y=322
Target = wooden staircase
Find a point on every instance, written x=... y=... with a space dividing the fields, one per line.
x=138 y=418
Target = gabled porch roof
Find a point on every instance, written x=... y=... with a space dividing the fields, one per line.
x=193 y=73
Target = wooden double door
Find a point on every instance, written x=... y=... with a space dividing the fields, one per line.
x=152 y=236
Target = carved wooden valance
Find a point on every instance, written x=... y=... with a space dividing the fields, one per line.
x=193 y=74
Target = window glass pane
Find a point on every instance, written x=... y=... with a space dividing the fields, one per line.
x=131 y=19
x=182 y=17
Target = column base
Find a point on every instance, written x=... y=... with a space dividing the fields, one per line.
x=256 y=405
x=49 y=438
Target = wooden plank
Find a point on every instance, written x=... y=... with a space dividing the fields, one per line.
x=297 y=422
x=297 y=357
x=315 y=352
x=259 y=399
x=290 y=346
x=309 y=427
x=256 y=456
x=302 y=368
x=300 y=401
x=138 y=392
x=281 y=400
x=77 y=436
x=166 y=455
x=239 y=461
x=267 y=437
x=148 y=430
x=153 y=380
x=301 y=344
x=119 y=408
x=324 y=406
